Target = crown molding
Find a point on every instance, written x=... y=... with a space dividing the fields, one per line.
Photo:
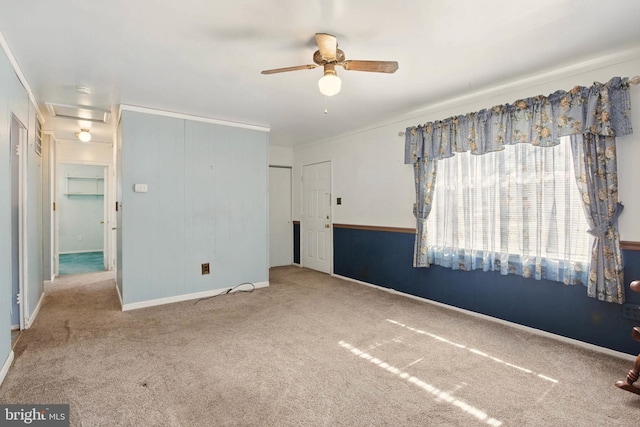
x=146 y=110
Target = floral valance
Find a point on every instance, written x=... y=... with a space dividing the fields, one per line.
x=601 y=109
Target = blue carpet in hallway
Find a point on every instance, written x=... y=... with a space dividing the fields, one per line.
x=86 y=262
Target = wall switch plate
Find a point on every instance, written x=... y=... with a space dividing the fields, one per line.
x=140 y=188
x=205 y=268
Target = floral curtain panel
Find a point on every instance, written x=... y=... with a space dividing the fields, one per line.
x=594 y=160
x=425 y=174
x=595 y=115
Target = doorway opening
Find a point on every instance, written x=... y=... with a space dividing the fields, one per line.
x=280 y=223
x=81 y=219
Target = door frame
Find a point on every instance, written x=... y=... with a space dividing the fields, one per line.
x=21 y=147
x=290 y=189
x=49 y=211
x=302 y=216
x=109 y=218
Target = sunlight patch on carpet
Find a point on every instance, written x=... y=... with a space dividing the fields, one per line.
x=442 y=396
x=474 y=351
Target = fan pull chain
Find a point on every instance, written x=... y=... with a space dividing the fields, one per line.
x=326 y=111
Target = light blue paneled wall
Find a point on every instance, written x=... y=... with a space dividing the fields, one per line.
x=206 y=202
x=14 y=100
x=226 y=205
x=152 y=223
x=6 y=74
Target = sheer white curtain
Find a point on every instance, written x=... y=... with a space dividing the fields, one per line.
x=517 y=210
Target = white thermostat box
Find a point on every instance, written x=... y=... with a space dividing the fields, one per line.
x=140 y=188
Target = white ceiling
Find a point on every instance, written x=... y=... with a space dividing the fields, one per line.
x=204 y=57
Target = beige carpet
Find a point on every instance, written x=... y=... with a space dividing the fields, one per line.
x=310 y=350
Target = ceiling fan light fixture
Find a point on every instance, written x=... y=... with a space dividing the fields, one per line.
x=329 y=84
x=329 y=56
x=84 y=135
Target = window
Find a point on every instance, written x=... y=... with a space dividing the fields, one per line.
x=517 y=210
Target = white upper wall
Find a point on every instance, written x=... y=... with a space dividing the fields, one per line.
x=377 y=188
x=84 y=152
x=280 y=156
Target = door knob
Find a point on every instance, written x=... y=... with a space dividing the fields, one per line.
x=101 y=222
x=327 y=226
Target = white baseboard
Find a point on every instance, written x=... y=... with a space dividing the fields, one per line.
x=185 y=297
x=33 y=316
x=6 y=366
x=535 y=331
x=15 y=327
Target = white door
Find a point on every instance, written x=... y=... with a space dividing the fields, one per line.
x=53 y=198
x=316 y=217
x=280 y=227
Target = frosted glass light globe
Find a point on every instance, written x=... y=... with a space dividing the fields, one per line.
x=329 y=84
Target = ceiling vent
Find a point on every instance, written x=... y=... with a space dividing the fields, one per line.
x=78 y=112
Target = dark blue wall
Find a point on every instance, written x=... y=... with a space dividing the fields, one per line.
x=296 y=243
x=385 y=259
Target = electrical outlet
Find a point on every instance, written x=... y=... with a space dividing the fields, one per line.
x=79 y=237
x=631 y=311
x=205 y=268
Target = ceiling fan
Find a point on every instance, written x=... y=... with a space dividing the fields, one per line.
x=328 y=56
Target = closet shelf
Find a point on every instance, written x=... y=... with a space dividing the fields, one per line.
x=84 y=186
x=85 y=177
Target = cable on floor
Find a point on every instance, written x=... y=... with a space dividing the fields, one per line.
x=233 y=290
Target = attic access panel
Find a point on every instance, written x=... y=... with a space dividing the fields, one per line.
x=78 y=112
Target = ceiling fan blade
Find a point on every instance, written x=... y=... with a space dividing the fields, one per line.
x=372 y=66
x=283 y=70
x=327 y=45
